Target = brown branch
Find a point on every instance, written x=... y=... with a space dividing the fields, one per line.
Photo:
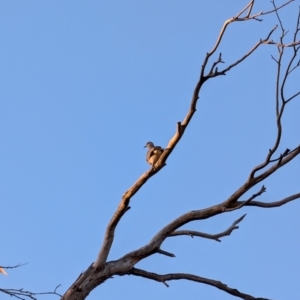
x=262 y=190
x=276 y=8
x=251 y=183
x=215 y=237
x=237 y=19
x=91 y=278
x=249 y=6
x=130 y=259
x=102 y=270
x=191 y=277
x=181 y=126
x=265 y=41
x=160 y=251
x=272 y=204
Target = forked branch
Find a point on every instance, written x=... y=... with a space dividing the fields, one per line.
x=281 y=100
x=22 y=294
x=181 y=126
x=272 y=204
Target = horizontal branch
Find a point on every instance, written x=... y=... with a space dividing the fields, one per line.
x=215 y=237
x=21 y=294
x=272 y=204
x=191 y=277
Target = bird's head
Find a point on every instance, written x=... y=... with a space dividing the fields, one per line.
x=149 y=145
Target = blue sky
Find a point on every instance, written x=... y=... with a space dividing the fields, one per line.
x=83 y=86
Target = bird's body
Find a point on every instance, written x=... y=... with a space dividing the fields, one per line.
x=153 y=153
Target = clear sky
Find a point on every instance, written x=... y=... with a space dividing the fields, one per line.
x=83 y=86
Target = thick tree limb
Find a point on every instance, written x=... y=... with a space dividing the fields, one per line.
x=262 y=190
x=191 y=277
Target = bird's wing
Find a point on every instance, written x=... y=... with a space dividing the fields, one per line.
x=150 y=153
x=158 y=149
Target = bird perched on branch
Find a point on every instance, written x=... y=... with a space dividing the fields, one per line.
x=153 y=153
x=3 y=271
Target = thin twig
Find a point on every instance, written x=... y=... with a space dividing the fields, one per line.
x=23 y=295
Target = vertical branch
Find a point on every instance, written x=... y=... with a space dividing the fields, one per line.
x=280 y=85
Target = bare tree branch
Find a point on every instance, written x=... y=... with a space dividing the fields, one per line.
x=262 y=190
x=265 y=41
x=165 y=253
x=181 y=126
x=272 y=204
x=249 y=6
x=276 y=8
x=292 y=97
x=215 y=237
x=14 y=267
x=24 y=295
x=102 y=270
x=280 y=88
x=191 y=277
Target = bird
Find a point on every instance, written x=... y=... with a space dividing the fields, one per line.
x=3 y=271
x=153 y=153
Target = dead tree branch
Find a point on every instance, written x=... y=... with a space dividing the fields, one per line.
x=191 y=277
x=181 y=126
x=272 y=204
x=25 y=295
x=281 y=100
x=215 y=237
x=102 y=270
x=13 y=267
